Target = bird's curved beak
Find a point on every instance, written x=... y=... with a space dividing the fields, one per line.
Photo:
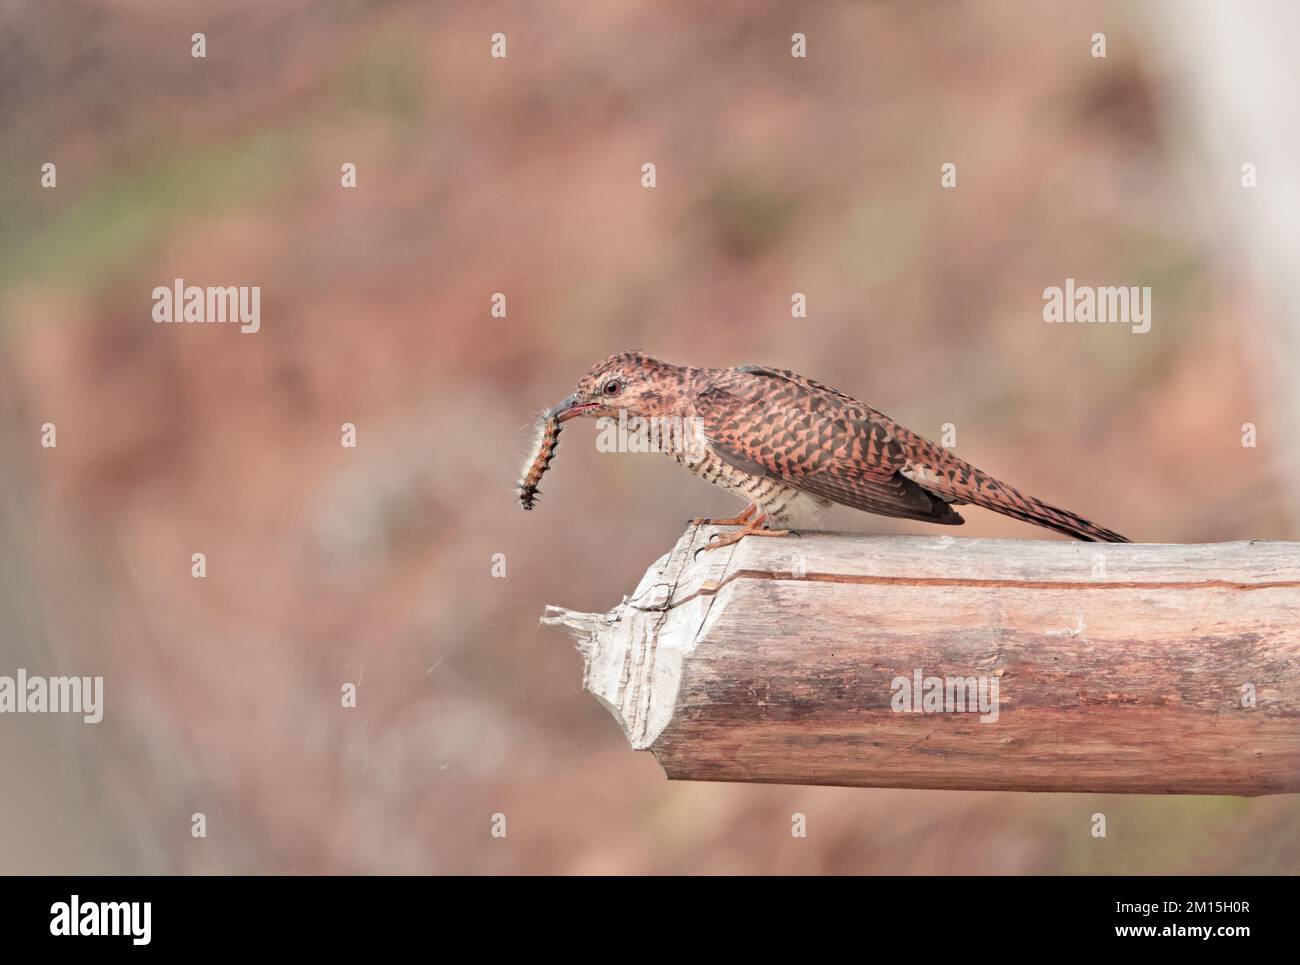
x=570 y=408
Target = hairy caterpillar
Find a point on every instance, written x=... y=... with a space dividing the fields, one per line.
x=548 y=437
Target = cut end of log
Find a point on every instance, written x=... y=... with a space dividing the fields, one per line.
x=582 y=626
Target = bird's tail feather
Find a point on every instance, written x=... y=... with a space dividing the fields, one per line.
x=1003 y=499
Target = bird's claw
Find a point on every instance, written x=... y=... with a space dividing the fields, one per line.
x=739 y=519
x=753 y=528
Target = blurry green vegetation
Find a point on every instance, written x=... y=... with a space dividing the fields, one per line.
x=1173 y=833
x=1176 y=276
x=748 y=214
x=386 y=76
x=118 y=220
x=126 y=213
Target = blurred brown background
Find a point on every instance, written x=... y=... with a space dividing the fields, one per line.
x=476 y=175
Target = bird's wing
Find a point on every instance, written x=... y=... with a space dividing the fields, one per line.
x=811 y=437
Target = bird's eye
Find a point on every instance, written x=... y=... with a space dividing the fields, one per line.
x=612 y=387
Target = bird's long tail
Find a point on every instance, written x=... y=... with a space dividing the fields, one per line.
x=1001 y=498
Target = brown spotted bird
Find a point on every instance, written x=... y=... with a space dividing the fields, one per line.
x=791 y=447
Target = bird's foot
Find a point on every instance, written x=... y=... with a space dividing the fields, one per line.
x=754 y=527
x=728 y=521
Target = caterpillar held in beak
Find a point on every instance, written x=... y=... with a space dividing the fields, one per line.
x=548 y=437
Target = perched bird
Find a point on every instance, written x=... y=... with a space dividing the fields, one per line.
x=790 y=447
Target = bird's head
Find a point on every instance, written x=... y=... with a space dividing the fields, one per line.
x=632 y=381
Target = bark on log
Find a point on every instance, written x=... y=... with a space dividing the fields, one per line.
x=1118 y=668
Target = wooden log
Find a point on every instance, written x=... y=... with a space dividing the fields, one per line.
x=1103 y=667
